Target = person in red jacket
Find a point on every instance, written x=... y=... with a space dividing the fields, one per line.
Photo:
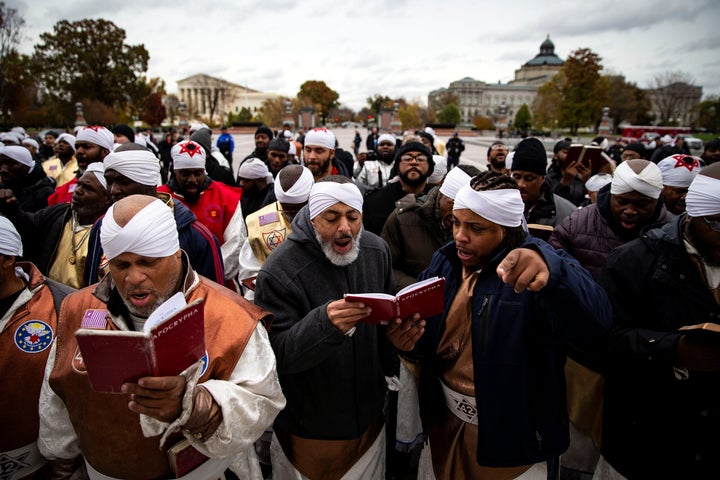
x=216 y=205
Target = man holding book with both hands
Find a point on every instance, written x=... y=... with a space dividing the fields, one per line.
x=220 y=405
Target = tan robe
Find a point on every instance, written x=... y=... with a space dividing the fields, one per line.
x=453 y=442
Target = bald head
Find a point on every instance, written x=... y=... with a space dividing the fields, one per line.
x=289 y=175
x=126 y=208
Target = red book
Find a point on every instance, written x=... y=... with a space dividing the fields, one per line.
x=425 y=297
x=184 y=458
x=114 y=357
x=590 y=155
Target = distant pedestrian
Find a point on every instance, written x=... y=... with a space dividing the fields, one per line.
x=455 y=146
x=356 y=143
x=226 y=144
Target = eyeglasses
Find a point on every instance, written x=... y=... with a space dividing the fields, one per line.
x=498 y=147
x=713 y=224
x=410 y=158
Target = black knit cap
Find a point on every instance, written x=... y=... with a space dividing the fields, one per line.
x=279 y=144
x=637 y=147
x=561 y=145
x=265 y=130
x=415 y=147
x=530 y=156
x=125 y=130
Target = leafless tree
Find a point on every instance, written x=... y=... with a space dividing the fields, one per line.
x=11 y=28
x=673 y=94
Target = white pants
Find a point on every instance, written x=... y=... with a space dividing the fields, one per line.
x=425 y=469
x=370 y=466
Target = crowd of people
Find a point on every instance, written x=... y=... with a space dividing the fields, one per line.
x=578 y=337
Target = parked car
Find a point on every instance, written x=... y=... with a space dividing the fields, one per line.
x=693 y=143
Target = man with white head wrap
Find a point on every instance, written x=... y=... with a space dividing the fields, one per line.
x=420 y=225
x=678 y=172
x=92 y=144
x=23 y=178
x=319 y=154
x=376 y=170
x=339 y=428
x=498 y=351
x=270 y=226
x=631 y=202
x=221 y=404
x=256 y=182
x=56 y=237
x=216 y=205
x=595 y=183
x=662 y=377
x=63 y=164
x=133 y=170
x=29 y=306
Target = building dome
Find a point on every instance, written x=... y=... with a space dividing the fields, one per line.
x=547 y=55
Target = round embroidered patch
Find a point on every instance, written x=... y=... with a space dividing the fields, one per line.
x=213 y=213
x=33 y=336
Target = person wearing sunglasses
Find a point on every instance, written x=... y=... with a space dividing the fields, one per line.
x=662 y=378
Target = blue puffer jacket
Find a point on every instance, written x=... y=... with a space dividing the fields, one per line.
x=518 y=344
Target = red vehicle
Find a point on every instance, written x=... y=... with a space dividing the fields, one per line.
x=638 y=131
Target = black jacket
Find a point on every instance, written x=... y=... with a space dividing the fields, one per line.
x=380 y=203
x=334 y=383
x=41 y=232
x=33 y=190
x=655 y=425
x=575 y=192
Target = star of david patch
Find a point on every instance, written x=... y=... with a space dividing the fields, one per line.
x=274 y=238
x=11 y=465
x=33 y=336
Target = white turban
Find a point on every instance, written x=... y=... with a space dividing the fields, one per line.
x=430 y=131
x=504 y=207
x=454 y=180
x=320 y=137
x=255 y=168
x=20 y=132
x=140 y=166
x=703 y=197
x=299 y=192
x=100 y=136
x=666 y=139
x=98 y=169
x=152 y=232
x=292 y=150
x=439 y=170
x=10 y=241
x=679 y=170
x=67 y=138
x=9 y=137
x=140 y=140
x=326 y=194
x=197 y=126
x=20 y=154
x=31 y=142
x=648 y=181
x=387 y=136
x=596 y=182
x=186 y=156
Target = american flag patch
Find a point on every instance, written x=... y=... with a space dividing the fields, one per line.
x=94 y=318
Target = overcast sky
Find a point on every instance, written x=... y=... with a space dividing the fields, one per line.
x=396 y=47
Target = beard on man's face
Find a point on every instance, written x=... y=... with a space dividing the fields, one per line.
x=339 y=259
x=414 y=181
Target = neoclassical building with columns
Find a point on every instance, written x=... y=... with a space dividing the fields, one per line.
x=202 y=92
x=478 y=98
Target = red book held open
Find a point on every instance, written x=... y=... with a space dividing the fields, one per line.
x=114 y=357
x=425 y=297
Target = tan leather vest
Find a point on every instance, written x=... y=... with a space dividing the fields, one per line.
x=110 y=435
x=24 y=347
